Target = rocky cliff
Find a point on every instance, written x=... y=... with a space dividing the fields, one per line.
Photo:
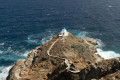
x=65 y=58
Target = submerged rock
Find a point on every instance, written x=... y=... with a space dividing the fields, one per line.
x=64 y=58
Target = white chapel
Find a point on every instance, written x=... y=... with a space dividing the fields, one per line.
x=63 y=32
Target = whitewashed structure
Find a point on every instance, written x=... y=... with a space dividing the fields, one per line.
x=63 y=32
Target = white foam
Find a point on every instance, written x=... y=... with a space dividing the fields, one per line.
x=81 y=34
x=1 y=52
x=48 y=14
x=110 y=6
x=107 y=54
x=4 y=72
x=1 y=44
x=31 y=41
x=100 y=43
x=35 y=39
x=26 y=53
x=46 y=39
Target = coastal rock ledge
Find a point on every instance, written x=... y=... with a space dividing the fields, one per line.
x=66 y=58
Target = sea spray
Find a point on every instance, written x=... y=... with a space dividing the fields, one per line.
x=4 y=72
x=105 y=54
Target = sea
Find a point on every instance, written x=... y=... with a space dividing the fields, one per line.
x=26 y=24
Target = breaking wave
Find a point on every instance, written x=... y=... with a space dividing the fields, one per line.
x=6 y=63
x=82 y=34
x=4 y=72
x=39 y=39
x=19 y=54
x=105 y=54
x=1 y=52
x=26 y=53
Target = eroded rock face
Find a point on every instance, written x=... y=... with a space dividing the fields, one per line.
x=64 y=58
x=104 y=70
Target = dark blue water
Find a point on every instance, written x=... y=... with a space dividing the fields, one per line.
x=25 y=24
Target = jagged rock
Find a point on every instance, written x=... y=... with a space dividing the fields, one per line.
x=64 y=58
x=104 y=70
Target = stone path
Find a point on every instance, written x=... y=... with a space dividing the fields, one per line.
x=65 y=60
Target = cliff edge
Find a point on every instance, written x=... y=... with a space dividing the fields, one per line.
x=65 y=58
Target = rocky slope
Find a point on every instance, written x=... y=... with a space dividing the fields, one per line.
x=65 y=58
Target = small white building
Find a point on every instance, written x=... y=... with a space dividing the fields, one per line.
x=63 y=32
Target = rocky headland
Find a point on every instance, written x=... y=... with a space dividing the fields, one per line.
x=66 y=58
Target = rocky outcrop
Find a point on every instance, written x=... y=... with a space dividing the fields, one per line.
x=64 y=58
x=104 y=70
x=112 y=76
